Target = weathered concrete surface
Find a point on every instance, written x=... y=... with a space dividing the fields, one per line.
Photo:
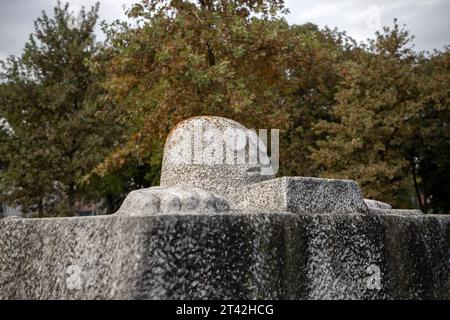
x=226 y=256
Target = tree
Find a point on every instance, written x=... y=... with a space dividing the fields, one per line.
x=377 y=100
x=428 y=150
x=59 y=129
x=226 y=58
x=314 y=83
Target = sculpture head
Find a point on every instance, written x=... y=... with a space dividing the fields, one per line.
x=215 y=154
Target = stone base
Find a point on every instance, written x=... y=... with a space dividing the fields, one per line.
x=305 y=195
x=226 y=256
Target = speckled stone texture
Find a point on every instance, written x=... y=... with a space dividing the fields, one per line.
x=160 y=200
x=305 y=195
x=202 y=152
x=226 y=256
x=374 y=204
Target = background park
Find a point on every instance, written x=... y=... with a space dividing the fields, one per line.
x=83 y=119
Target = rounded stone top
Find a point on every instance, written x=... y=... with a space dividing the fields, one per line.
x=216 y=154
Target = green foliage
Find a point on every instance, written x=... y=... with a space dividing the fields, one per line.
x=238 y=59
x=58 y=130
x=345 y=110
x=390 y=124
x=428 y=149
x=225 y=58
x=376 y=97
x=314 y=84
x=88 y=120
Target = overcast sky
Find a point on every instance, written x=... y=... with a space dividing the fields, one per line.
x=428 y=20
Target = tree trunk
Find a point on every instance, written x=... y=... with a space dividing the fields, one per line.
x=211 y=56
x=71 y=198
x=40 y=209
x=416 y=187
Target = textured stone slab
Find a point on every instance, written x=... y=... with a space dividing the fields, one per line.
x=305 y=195
x=226 y=256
